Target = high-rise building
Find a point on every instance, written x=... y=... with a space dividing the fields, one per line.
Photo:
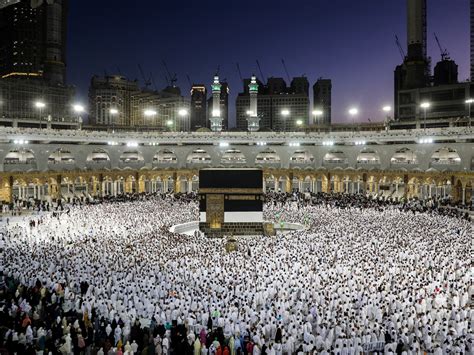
x=33 y=39
x=322 y=90
x=19 y=98
x=223 y=99
x=118 y=102
x=279 y=107
x=198 y=106
x=414 y=84
x=110 y=100
x=33 y=63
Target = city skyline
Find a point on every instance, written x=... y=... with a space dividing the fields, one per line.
x=310 y=45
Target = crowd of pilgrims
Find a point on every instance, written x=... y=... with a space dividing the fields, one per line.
x=365 y=275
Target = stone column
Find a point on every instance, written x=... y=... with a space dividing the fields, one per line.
x=463 y=195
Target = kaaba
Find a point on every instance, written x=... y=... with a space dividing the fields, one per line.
x=230 y=202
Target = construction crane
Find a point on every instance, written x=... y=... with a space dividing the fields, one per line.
x=260 y=70
x=286 y=70
x=153 y=81
x=400 y=48
x=444 y=52
x=145 y=80
x=240 y=73
x=172 y=79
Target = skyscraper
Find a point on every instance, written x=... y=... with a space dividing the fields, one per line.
x=33 y=40
x=279 y=107
x=322 y=100
x=33 y=62
x=198 y=106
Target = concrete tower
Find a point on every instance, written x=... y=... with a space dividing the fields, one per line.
x=416 y=28
x=253 y=120
x=55 y=61
x=216 y=117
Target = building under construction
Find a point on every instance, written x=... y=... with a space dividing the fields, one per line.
x=415 y=84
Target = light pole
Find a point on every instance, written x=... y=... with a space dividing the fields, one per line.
x=353 y=112
x=40 y=106
x=469 y=102
x=169 y=123
x=285 y=113
x=150 y=114
x=387 y=110
x=425 y=106
x=78 y=109
x=182 y=112
x=318 y=114
x=113 y=112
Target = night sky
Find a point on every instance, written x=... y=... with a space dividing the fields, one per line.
x=350 y=42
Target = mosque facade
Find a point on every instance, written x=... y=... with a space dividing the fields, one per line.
x=45 y=164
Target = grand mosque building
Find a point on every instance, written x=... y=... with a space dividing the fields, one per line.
x=45 y=164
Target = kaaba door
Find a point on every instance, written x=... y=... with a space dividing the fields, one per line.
x=215 y=210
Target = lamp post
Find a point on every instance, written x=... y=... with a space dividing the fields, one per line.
x=469 y=102
x=353 y=112
x=318 y=114
x=285 y=113
x=113 y=112
x=150 y=114
x=78 y=109
x=40 y=106
x=182 y=112
x=425 y=106
x=387 y=110
x=169 y=123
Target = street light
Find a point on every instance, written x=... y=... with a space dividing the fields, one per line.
x=387 y=110
x=317 y=113
x=113 y=112
x=425 y=106
x=149 y=113
x=285 y=113
x=78 y=108
x=40 y=106
x=353 y=112
x=469 y=102
x=182 y=112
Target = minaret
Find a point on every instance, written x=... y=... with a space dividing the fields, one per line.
x=215 y=118
x=253 y=119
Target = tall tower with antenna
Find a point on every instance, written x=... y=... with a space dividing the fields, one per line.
x=216 y=117
x=253 y=120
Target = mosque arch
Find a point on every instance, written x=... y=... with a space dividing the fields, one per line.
x=334 y=157
x=368 y=156
x=404 y=156
x=233 y=156
x=445 y=156
x=131 y=156
x=98 y=156
x=165 y=156
x=61 y=156
x=267 y=156
x=20 y=157
x=199 y=156
x=301 y=157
